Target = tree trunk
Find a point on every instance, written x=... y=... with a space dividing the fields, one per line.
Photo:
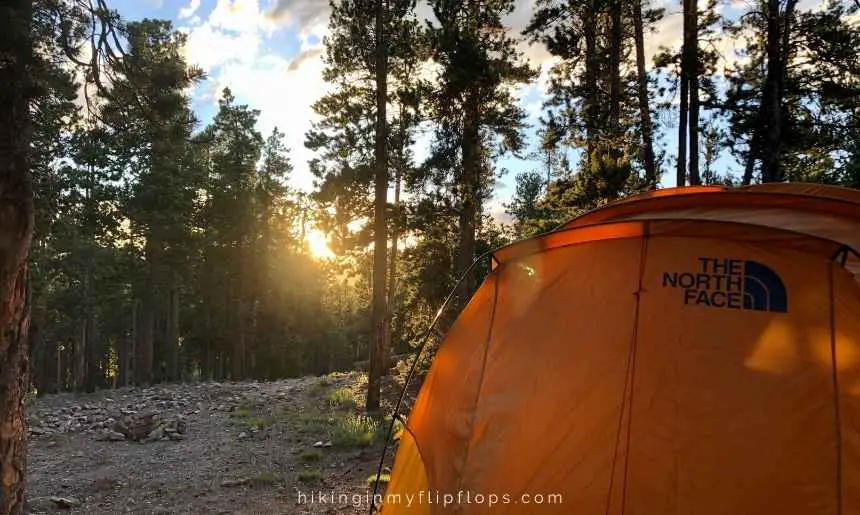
x=237 y=358
x=146 y=344
x=126 y=350
x=647 y=151
x=684 y=111
x=771 y=126
x=615 y=70
x=681 y=172
x=753 y=154
x=692 y=36
x=470 y=189
x=380 y=236
x=80 y=370
x=392 y=266
x=173 y=332
x=592 y=107
x=93 y=355
x=16 y=232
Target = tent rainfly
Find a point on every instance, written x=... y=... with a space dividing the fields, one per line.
x=687 y=351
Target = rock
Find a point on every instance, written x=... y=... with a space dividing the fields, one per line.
x=110 y=436
x=155 y=434
x=175 y=436
x=322 y=444
x=234 y=482
x=243 y=435
x=65 y=502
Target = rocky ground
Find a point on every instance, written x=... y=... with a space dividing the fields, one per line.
x=291 y=446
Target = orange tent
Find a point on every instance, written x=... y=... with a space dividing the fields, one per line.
x=685 y=351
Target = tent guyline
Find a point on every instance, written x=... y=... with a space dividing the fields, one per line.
x=689 y=350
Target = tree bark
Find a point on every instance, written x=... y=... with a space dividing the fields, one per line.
x=615 y=67
x=173 y=332
x=80 y=371
x=146 y=343
x=470 y=189
x=684 y=111
x=392 y=265
x=771 y=126
x=692 y=35
x=380 y=235
x=16 y=232
x=592 y=107
x=681 y=172
x=647 y=151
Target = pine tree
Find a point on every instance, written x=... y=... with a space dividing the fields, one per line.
x=16 y=227
x=477 y=117
x=817 y=105
x=597 y=115
x=370 y=41
x=236 y=147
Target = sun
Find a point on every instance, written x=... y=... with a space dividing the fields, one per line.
x=318 y=245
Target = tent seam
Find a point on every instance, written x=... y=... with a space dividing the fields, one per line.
x=604 y=223
x=629 y=378
x=835 y=373
x=468 y=449
x=784 y=196
x=634 y=345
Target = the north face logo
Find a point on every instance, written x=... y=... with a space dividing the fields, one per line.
x=732 y=284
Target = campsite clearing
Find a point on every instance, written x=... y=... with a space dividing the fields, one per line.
x=273 y=447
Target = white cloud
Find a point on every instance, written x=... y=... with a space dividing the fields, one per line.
x=240 y=16
x=306 y=16
x=187 y=12
x=283 y=91
x=209 y=47
x=228 y=45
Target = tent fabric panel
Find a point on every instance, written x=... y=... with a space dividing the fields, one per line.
x=813 y=224
x=848 y=211
x=441 y=418
x=546 y=419
x=555 y=240
x=669 y=227
x=809 y=189
x=408 y=490
x=846 y=300
x=731 y=406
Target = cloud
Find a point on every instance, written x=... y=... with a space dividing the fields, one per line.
x=304 y=15
x=240 y=16
x=187 y=12
x=209 y=47
x=284 y=92
x=304 y=55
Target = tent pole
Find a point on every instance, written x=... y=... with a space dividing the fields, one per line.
x=425 y=339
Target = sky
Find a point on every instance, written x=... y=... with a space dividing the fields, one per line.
x=269 y=53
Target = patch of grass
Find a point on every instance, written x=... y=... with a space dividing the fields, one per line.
x=319 y=388
x=313 y=423
x=244 y=410
x=383 y=478
x=355 y=431
x=265 y=479
x=310 y=455
x=259 y=422
x=342 y=398
x=309 y=476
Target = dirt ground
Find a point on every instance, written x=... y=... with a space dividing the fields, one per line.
x=291 y=446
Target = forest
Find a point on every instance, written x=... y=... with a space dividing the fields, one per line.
x=166 y=250
x=161 y=249
x=141 y=245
